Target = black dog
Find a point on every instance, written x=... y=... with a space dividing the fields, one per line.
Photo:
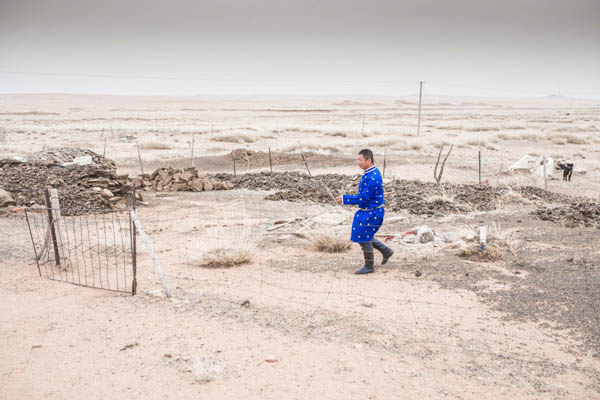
x=567 y=170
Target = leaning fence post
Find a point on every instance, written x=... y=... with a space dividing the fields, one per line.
x=479 y=165
x=384 y=160
x=51 y=226
x=140 y=156
x=54 y=216
x=133 y=245
x=233 y=159
x=270 y=161
x=304 y=159
x=545 y=175
x=37 y=258
x=150 y=249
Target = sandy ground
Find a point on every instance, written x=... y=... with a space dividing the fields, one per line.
x=296 y=323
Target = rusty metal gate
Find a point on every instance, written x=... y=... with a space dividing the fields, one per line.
x=87 y=247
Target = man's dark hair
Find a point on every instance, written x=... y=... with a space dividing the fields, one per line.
x=367 y=154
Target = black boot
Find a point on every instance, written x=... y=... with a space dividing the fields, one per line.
x=367 y=248
x=385 y=251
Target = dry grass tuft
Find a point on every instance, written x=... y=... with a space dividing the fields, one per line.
x=205 y=369
x=233 y=139
x=340 y=134
x=572 y=139
x=482 y=128
x=530 y=136
x=491 y=253
x=441 y=144
x=501 y=244
x=225 y=258
x=512 y=197
x=561 y=138
x=155 y=145
x=330 y=242
x=475 y=142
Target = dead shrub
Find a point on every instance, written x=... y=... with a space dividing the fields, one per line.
x=504 y=136
x=340 y=134
x=482 y=128
x=474 y=142
x=155 y=145
x=330 y=242
x=225 y=258
x=500 y=246
x=530 y=136
x=572 y=139
x=233 y=139
x=492 y=252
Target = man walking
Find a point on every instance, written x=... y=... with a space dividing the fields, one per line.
x=369 y=216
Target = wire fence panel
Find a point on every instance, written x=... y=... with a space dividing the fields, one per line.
x=95 y=249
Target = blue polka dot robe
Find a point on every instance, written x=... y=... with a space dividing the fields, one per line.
x=369 y=199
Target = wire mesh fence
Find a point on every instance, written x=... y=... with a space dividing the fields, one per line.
x=96 y=249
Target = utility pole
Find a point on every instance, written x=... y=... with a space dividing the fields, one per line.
x=419 y=118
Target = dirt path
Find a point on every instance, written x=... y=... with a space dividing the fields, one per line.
x=330 y=334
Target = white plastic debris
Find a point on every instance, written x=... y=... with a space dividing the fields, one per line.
x=482 y=235
x=82 y=160
x=18 y=159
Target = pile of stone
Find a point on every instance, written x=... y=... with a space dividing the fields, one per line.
x=582 y=213
x=178 y=179
x=419 y=198
x=83 y=186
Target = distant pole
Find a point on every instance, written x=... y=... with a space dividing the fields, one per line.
x=233 y=158
x=479 y=156
x=363 y=125
x=304 y=159
x=419 y=118
x=270 y=162
x=191 y=145
x=479 y=166
x=384 y=160
x=545 y=175
x=140 y=156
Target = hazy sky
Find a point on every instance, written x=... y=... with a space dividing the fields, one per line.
x=465 y=47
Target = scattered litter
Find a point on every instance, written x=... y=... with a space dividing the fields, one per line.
x=271 y=359
x=82 y=160
x=534 y=165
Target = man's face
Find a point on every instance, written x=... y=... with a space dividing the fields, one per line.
x=364 y=163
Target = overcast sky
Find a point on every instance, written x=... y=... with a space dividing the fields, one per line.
x=465 y=47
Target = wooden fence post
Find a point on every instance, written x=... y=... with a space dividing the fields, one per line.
x=54 y=217
x=304 y=159
x=270 y=161
x=233 y=158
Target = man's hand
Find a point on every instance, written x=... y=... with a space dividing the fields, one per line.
x=339 y=200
